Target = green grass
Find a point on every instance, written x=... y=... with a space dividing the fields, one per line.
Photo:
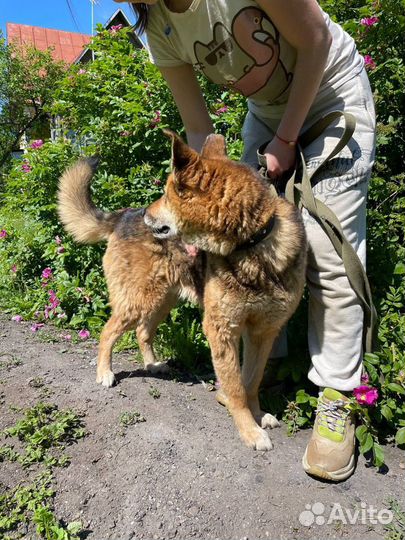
x=37 y=440
x=396 y=529
x=130 y=418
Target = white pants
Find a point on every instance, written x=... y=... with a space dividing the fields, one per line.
x=335 y=319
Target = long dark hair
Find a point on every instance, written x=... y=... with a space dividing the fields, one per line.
x=141 y=11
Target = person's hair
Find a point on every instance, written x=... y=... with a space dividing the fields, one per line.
x=141 y=11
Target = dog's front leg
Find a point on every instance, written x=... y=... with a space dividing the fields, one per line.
x=257 y=345
x=224 y=343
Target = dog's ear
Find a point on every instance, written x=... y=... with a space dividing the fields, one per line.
x=182 y=155
x=214 y=147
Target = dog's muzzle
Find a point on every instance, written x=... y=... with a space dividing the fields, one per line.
x=161 y=231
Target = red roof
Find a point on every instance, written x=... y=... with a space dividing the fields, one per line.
x=67 y=46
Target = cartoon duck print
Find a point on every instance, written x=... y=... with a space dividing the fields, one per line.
x=247 y=57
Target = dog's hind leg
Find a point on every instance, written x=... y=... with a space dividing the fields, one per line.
x=146 y=331
x=113 y=329
x=256 y=349
x=145 y=334
x=224 y=345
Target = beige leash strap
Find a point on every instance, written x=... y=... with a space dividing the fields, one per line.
x=298 y=190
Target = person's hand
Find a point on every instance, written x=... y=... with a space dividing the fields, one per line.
x=280 y=158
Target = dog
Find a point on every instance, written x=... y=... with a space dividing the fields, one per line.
x=256 y=248
x=146 y=275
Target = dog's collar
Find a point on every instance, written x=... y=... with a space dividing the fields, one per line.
x=259 y=236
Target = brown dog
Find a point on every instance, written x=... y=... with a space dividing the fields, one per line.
x=256 y=254
x=145 y=276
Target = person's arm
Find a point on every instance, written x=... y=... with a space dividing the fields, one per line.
x=190 y=102
x=301 y=23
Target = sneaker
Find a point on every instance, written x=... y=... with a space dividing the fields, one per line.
x=330 y=453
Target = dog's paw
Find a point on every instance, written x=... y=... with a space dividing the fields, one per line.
x=157 y=367
x=258 y=439
x=107 y=379
x=267 y=420
x=221 y=397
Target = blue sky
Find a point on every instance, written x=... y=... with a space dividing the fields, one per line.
x=56 y=14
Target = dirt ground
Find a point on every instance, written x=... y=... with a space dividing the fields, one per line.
x=183 y=473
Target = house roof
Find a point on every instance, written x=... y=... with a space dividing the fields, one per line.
x=116 y=18
x=67 y=46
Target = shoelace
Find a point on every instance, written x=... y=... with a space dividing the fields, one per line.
x=332 y=414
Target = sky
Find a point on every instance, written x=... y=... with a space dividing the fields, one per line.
x=57 y=15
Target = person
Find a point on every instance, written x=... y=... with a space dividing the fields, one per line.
x=294 y=65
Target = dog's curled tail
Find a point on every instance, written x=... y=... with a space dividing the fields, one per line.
x=77 y=212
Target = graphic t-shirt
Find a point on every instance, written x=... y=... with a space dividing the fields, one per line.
x=234 y=43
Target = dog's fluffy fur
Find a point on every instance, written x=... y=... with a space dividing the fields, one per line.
x=217 y=205
x=145 y=276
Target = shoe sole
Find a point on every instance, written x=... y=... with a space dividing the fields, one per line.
x=334 y=476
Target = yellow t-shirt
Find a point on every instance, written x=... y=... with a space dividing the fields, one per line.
x=234 y=43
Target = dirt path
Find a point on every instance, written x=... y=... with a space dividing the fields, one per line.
x=184 y=472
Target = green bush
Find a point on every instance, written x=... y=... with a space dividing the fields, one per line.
x=115 y=106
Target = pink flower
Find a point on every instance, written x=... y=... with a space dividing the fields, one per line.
x=58 y=240
x=83 y=334
x=87 y=298
x=369 y=21
x=61 y=315
x=46 y=273
x=37 y=144
x=116 y=28
x=366 y=395
x=14 y=268
x=3 y=233
x=369 y=62
x=55 y=302
x=125 y=133
x=156 y=120
x=81 y=71
x=36 y=326
x=365 y=378
x=61 y=249
x=221 y=110
x=26 y=167
x=157 y=182
x=16 y=318
x=67 y=337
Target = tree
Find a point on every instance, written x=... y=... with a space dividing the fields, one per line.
x=118 y=102
x=27 y=81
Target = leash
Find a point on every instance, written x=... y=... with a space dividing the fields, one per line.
x=298 y=191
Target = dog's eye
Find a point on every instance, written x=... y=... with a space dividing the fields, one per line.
x=179 y=192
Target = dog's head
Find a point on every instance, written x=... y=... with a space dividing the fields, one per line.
x=205 y=197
